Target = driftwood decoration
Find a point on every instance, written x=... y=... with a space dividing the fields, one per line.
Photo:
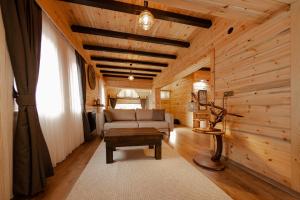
x=218 y=115
x=213 y=162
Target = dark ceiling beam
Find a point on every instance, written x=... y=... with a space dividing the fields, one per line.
x=121 y=76
x=205 y=69
x=128 y=51
x=129 y=36
x=137 y=9
x=127 y=73
x=127 y=68
x=121 y=60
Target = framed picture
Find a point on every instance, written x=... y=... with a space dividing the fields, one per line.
x=202 y=99
x=91 y=77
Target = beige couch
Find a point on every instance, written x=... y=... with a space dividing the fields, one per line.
x=138 y=118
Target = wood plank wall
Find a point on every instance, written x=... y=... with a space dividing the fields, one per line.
x=180 y=97
x=91 y=95
x=295 y=94
x=257 y=67
x=124 y=83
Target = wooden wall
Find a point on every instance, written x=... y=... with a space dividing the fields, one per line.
x=125 y=83
x=180 y=97
x=91 y=95
x=113 y=91
x=295 y=94
x=257 y=67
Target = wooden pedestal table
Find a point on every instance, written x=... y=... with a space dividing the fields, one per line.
x=211 y=162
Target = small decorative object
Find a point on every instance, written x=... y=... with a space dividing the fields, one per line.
x=97 y=103
x=213 y=163
x=146 y=19
x=91 y=77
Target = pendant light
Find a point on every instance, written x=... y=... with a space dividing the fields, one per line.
x=146 y=19
x=131 y=77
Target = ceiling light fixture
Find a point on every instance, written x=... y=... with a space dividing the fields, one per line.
x=131 y=77
x=146 y=19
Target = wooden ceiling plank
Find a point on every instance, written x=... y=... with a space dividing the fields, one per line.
x=230 y=9
x=128 y=51
x=126 y=73
x=137 y=9
x=129 y=36
x=120 y=60
x=127 y=68
x=124 y=83
x=121 y=76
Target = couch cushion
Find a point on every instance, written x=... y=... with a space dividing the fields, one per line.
x=143 y=115
x=121 y=124
x=122 y=115
x=154 y=124
x=158 y=115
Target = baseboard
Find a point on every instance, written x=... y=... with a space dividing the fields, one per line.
x=265 y=178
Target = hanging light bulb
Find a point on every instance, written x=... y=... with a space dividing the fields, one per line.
x=146 y=19
x=131 y=77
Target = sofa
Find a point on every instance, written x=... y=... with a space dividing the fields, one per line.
x=140 y=118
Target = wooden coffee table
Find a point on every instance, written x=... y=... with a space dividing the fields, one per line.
x=121 y=137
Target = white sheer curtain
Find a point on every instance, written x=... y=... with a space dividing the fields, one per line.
x=58 y=97
x=6 y=118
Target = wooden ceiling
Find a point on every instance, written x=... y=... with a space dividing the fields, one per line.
x=253 y=10
x=97 y=33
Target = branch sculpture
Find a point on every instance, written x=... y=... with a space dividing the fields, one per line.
x=218 y=116
x=214 y=162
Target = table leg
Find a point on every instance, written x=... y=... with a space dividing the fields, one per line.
x=214 y=162
x=109 y=153
x=158 y=151
x=218 y=152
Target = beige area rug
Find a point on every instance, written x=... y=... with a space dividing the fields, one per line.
x=136 y=175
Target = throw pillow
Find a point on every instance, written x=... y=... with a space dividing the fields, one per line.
x=108 y=116
x=158 y=115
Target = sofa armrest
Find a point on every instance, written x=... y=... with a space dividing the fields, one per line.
x=170 y=119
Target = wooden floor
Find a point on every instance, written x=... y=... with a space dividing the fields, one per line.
x=237 y=183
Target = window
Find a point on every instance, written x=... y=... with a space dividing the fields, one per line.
x=49 y=93
x=165 y=94
x=58 y=94
x=128 y=99
x=128 y=106
x=128 y=93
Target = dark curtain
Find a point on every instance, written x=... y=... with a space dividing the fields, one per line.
x=113 y=102
x=31 y=160
x=143 y=103
x=82 y=80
